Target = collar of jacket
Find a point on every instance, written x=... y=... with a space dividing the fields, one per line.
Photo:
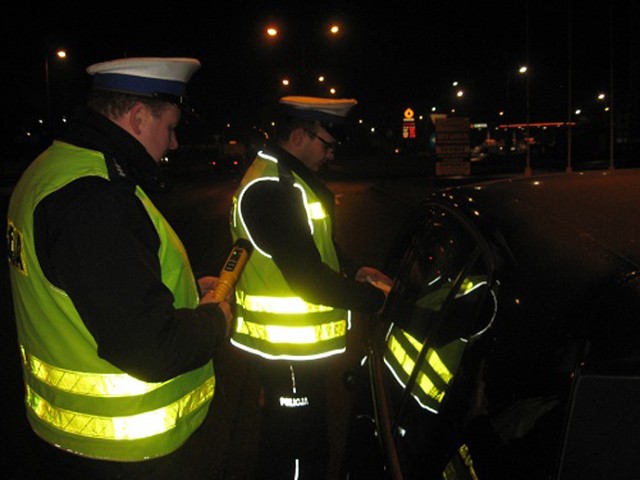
x=126 y=158
x=300 y=169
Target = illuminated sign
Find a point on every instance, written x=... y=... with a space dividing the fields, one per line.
x=408 y=124
x=452 y=146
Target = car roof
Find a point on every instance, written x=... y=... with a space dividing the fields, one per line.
x=573 y=255
x=599 y=207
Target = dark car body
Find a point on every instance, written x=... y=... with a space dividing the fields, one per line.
x=510 y=343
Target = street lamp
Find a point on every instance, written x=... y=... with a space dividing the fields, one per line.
x=524 y=70
x=455 y=96
x=61 y=55
x=608 y=109
x=274 y=33
x=569 y=167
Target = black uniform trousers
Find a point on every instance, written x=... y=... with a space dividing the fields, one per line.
x=294 y=440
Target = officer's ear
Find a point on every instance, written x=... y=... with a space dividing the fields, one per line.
x=137 y=117
x=133 y=121
x=298 y=136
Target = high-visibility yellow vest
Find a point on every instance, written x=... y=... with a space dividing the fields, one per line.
x=75 y=399
x=272 y=321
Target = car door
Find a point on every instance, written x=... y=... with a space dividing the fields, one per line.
x=443 y=301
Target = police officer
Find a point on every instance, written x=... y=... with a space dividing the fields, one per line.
x=116 y=339
x=295 y=295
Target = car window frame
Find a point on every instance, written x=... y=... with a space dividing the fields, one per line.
x=386 y=416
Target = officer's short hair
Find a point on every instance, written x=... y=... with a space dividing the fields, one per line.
x=115 y=104
x=288 y=124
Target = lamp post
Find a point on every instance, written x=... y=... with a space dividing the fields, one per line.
x=611 y=117
x=524 y=70
x=569 y=167
x=61 y=54
x=527 y=168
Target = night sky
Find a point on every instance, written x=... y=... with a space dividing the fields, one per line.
x=403 y=54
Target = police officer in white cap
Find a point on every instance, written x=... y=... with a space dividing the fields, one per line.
x=117 y=339
x=296 y=292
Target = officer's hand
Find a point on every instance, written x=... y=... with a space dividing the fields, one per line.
x=375 y=277
x=207 y=283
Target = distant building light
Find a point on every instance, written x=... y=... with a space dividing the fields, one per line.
x=537 y=125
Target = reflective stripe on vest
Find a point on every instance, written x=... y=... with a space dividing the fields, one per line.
x=315 y=210
x=296 y=335
x=434 y=376
x=283 y=305
x=130 y=427
x=83 y=383
x=460 y=466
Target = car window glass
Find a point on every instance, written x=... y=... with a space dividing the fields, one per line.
x=437 y=255
x=436 y=308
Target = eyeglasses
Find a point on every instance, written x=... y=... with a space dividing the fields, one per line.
x=327 y=145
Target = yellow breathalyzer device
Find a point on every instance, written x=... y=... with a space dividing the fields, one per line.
x=232 y=269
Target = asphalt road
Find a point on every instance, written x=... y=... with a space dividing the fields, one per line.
x=367 y=219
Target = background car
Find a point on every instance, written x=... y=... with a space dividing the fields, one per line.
x=509 y=347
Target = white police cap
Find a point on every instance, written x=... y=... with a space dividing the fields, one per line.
x=324 y=110
x=146 y=76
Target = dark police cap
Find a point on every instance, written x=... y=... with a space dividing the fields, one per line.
x=164 y=78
